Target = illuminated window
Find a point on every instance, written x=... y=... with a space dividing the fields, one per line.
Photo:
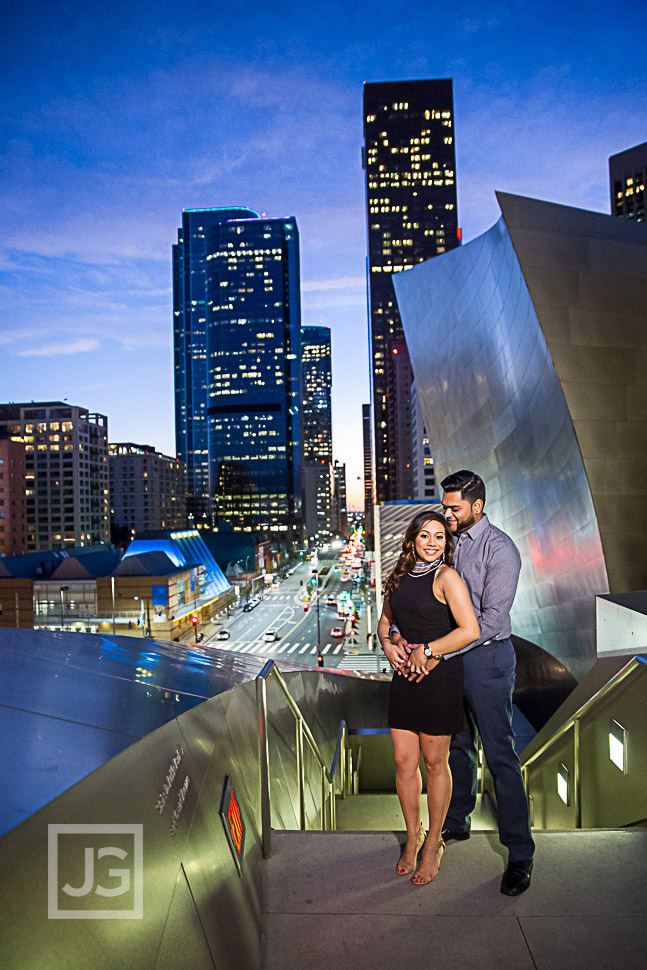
x=563 y=784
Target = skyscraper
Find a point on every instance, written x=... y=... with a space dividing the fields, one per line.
x=237 y=337
x=339 y=507
x=316 y=429
x=627 y=176
x=424 y=476
x=66 y=472
x=190 y=349
x=368 y=474
x=409 y=159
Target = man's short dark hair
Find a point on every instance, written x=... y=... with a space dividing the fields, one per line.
x=469 y=484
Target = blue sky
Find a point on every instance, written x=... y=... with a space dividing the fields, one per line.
x=114 y=119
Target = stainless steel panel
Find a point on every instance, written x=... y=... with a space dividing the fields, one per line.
x=502 y=370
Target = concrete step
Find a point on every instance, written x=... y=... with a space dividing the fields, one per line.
x=333 y=900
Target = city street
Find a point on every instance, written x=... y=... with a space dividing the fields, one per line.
x=300 y=632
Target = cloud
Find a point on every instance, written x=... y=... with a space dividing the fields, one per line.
x=80 y=346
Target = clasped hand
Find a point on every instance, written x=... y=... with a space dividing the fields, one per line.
x=408 y=660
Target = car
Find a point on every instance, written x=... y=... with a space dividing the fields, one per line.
x=336 y=632
x=223 y=635
x=331 y=601
x=276 y=584
x=248 y=607
x=270 y=636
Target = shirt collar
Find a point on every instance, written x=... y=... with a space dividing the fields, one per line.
x=477 y=529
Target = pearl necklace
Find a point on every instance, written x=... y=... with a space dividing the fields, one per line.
x=424 y=568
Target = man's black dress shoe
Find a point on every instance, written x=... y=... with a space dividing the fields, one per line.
x=449 y=835
x=516 y=878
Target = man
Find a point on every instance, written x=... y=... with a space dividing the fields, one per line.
x=489 y=563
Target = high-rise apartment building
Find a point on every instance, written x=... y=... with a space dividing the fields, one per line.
x=66 y=472
x=627 y=177
x=316 y=430
x=13 y=503
x=236 y=335
x=147 y=488
x=409 y=159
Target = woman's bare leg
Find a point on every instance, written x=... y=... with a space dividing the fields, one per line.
x=435 y=751
x=406 y=748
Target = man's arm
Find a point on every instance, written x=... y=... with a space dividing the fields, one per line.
x=499 y=587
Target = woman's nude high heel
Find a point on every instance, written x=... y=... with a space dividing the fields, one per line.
x=402 y=869
x=421 y=878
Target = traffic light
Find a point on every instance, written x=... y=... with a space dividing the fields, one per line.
x=194 y=619
x=320 y=660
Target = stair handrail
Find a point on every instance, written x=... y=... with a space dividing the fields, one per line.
x=303 y=732
x=637 y=662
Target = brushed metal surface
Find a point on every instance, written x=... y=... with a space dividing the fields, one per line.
x=517 y=341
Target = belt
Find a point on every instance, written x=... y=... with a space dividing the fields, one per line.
x=493 y=640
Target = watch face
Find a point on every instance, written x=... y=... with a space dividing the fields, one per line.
x=428 y=652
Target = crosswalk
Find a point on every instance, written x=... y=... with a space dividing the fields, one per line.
x=284 y=648
x=369 y=662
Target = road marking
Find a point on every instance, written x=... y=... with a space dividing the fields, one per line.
x=327 y=648
x=337 y=648
x=304 y=648
x=292 y=649
x=283 y=646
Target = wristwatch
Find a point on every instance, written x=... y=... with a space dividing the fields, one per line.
x=428 y=652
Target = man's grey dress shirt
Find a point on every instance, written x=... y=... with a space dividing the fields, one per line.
x=489 y=564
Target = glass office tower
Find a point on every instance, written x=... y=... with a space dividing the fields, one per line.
x=409 y=161
x=190 y=350
x=237 y=391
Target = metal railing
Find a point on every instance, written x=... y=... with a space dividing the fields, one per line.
x=343 y=758
x=573 y=722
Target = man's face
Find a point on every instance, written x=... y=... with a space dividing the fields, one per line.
x=460 y=514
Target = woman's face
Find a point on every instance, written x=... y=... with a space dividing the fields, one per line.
x=430 y=542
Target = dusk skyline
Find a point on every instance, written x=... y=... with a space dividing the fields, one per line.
x=114 y=120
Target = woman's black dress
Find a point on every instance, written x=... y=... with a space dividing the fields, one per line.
x=435 y=705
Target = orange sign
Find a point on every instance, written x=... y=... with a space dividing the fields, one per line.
x=232 y=820
x=235 y=822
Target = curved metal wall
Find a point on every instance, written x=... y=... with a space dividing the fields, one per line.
x=492 y=401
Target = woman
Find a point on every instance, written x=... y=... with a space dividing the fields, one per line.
x=431 y=607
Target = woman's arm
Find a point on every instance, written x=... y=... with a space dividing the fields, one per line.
x=454 y=592
x=395 y=653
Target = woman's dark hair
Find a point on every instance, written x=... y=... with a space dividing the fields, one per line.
x=407 y=559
